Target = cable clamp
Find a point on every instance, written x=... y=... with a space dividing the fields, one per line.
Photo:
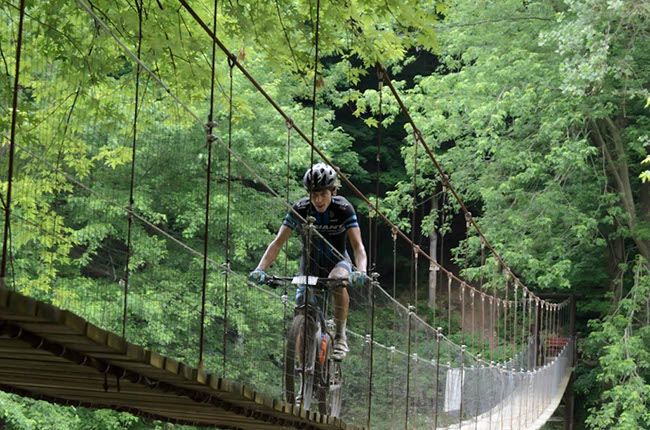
x=381 y=72
x=368 y=338
x=232 y=60
x=418 y=135
x=212 y=124
x=212 y=137
x=290 y=124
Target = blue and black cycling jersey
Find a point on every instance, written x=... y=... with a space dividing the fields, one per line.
x=332 y=224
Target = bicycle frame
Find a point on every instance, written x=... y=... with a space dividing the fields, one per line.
x=310 y=328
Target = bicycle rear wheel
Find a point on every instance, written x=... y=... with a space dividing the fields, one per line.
x=299 y=385
x=330 y=382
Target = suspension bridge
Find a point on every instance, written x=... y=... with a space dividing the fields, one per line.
x=105 y=330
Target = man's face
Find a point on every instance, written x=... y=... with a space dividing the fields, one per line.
x=321 y=199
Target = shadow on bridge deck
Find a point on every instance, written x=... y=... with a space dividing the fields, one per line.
x=54 y=355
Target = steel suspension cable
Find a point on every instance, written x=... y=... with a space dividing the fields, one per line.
x=12 y=144
x=444 y=178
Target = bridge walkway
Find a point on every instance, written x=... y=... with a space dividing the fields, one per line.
x=54 y=355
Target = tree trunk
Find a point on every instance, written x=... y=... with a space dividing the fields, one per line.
x=608 y=136
x=615 y=256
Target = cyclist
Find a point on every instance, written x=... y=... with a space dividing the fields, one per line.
x=336 y=221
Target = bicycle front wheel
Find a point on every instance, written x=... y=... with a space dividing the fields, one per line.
x=299 y=372
x=330 y=382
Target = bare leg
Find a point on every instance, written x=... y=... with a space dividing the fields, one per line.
x=341 y=300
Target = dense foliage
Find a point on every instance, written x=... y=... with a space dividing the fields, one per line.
x=538 y=111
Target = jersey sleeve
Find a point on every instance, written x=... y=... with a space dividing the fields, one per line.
x=350 y=217
x=290 y=219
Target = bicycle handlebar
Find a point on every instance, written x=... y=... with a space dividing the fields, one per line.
x=313 y=281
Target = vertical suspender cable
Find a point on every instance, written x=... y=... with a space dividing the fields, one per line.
x=462 y=325
x=392 y=387
x=498 y=323
x=442 y=227
x=286 y=263
x=522 y=319
x=394 y=285
x=369 y=254
x=471 y=297
x=506 y=302
x=310 y=226
x=547 y=327
x=480 y=270
x=394 y=263
x=139 y=6
x=438 y=338
x=537 y=333
x=415 y=197
x=372 y=345
x=12 y=146
x=461 y=299
x=448 y=304
x=408 y=368
x=415 y=361
x=228 y=200
x=493 y=326
x=483 y=328
x=462 y=374
x=531 y=365
x=514 y=320
x=209 y=138
x=479 y=372
x=379 y=142
x=313 y=108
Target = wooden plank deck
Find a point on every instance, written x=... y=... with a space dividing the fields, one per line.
x=54 y=355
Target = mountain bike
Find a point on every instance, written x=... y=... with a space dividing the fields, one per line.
x=309 y=366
